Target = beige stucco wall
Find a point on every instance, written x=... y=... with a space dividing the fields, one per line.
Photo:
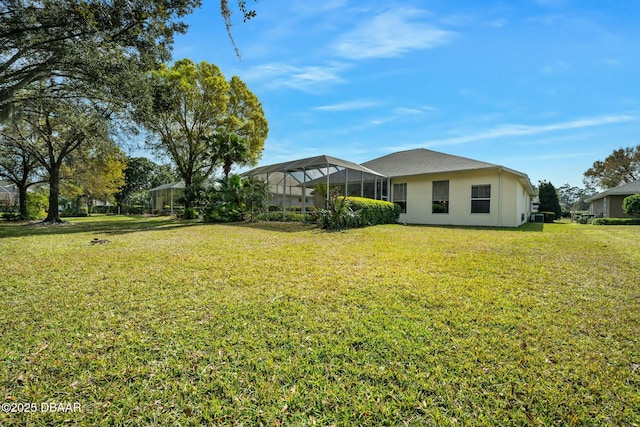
x=597 y=207
x=509 y=207
x=609 y=207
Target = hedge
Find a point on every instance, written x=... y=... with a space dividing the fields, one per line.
x=616 y=221
x=373 y=212
x=288 y=216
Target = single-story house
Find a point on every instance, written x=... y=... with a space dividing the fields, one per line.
x=438 y=188
x=430 y=187
x=608 y=204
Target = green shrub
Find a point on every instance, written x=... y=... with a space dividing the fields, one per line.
x=37 y=204
x=373 y=212
x=235 y=199
x=135 y=210
x=616 y=221
x=348 y=212
x=339 y=215
x=105 y=209
x=11 y=216
x=631 y=205
x=288 y=217
x=225 y=212
x=189 y=213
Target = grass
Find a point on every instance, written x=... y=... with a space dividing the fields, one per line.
x=182 y=323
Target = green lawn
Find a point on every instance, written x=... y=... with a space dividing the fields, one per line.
x=183 y=323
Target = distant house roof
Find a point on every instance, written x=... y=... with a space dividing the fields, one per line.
x=621 y=190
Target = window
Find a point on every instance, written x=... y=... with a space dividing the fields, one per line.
x=400 y=196
x=481 y=199
x=440 y=197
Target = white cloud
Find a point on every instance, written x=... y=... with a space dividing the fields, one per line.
x=391 y=34
x=407 y=110
x=347 y=106
x=311 y=78
x=524 y=130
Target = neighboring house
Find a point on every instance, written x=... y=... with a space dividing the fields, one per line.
x=438 y=188
x=430 y=187
x=608 y=204
x=8 y=194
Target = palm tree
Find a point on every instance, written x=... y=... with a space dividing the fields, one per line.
x=228 y=148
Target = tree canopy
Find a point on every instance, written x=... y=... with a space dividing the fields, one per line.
x=631 y=205
x=58 y=128
x=69 y=67
x=96 y=43
x=620 y=167
x=574 y=197
x=95 y=173
x=17 y=163
x=195 y=108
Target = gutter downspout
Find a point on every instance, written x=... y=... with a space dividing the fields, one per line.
x=499 y=197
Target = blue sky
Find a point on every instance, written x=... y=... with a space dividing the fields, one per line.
x=545 y=87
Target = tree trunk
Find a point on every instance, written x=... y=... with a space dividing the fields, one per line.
x=22 y=197
x=188 y=193
x=54 y=195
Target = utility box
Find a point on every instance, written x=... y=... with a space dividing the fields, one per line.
x=537 y=218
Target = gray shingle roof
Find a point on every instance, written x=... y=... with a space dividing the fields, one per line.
x=422 y=161
x=621 y=190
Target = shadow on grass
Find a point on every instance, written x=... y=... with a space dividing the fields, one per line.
x=279 y=226
x=526 y=227
x=113 y=225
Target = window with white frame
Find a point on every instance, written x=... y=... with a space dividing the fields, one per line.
x=440 y=197
x=400 y=196
x=481 y=198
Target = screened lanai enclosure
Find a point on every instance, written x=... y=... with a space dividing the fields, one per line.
x=309 y=182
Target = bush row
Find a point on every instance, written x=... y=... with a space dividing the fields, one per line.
x=288 y=216
x=373 y=212
x=616 y=221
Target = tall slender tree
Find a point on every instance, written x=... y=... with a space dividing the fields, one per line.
x=549 y=201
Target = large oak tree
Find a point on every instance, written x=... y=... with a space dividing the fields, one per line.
x=620 y=167
x=17 y=163
x=96 y=42
x=193 y=103
x=58 y=128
